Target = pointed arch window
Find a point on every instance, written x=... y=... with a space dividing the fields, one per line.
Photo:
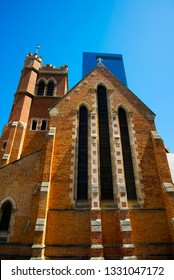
x=106 y=179
x=50 y=88
x=127 y=156
x=41 y=88
x=5 y=216
x=82 y=176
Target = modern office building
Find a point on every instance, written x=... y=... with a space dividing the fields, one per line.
x=83 y=173
x=114 y=63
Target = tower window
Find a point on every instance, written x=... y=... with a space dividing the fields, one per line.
x=50 y=89
x=127 y=156
x=82 y=177
x=5 y=216
x=104 y=144
x=43 y=125
x=4 y=145
x=39 y=124
x=41 y=88
x=34 y=125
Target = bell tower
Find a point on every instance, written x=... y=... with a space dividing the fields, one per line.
x=26 y=89
x=14 y=132
x=39 y=88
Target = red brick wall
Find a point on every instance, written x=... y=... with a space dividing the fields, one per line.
x=19 y=180
x=68 y=232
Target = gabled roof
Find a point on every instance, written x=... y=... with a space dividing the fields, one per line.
x=101 y=65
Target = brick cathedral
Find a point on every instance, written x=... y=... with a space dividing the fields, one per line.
x=83 y=172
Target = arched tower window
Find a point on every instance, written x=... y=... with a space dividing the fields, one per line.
x=50 y=88
x=82 y=176
x=127 y=156
x=41 y=88
x=5 y=216
x=104 y=144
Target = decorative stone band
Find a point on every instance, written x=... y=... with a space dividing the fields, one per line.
x=155 y=134
x=22 y=124
x=130 y=258
x=45 y=186
x=40 y=224
x=38 y=246
x=5 y=156
x=128 y=246
x=97 y=247
x=52 y=131
x=96 y=225
x=169 y=187
x=125 y=225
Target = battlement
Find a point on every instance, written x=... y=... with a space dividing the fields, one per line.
x=34 y=60
x=34 y=56
x=50 y=67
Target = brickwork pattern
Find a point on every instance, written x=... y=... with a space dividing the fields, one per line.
x=38 y=169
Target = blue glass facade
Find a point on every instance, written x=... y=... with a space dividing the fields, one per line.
x=114 y=62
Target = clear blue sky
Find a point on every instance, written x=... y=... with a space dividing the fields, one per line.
x=141 y=30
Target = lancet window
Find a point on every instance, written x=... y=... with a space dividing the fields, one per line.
x=82 y=175
x=5 y=216
x=127 y=156
x=106 y=180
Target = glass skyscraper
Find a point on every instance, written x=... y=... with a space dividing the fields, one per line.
x=114 y=62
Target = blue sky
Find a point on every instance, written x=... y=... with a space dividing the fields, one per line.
x=141 y=30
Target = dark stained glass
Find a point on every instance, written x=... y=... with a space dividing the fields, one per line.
x=104 y=144
x=82 y=177
x=41 y=88
x=50 y=89
x=127 y=156
x=5 y=217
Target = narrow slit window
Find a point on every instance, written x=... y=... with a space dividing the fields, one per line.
x=106 y=180
x=82 y=176
x=4 y=145
x=127 y=156
x=5 y=216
